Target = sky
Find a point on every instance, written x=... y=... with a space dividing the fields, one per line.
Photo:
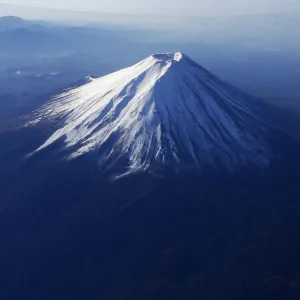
x=173 y=7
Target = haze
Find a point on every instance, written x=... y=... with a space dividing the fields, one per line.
x=174 y=7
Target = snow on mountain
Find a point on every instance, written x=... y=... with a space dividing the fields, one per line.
x=165 y=111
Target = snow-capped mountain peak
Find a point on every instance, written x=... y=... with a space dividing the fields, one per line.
x=165 y=111
x=168 y=56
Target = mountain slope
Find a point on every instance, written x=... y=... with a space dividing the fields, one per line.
x=165 y=111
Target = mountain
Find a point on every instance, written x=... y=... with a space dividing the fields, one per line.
x=13 y=23
x=19 y=36
x=164 y=112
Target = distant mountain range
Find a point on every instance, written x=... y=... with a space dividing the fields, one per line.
x=12 y=22
x=25 y=36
